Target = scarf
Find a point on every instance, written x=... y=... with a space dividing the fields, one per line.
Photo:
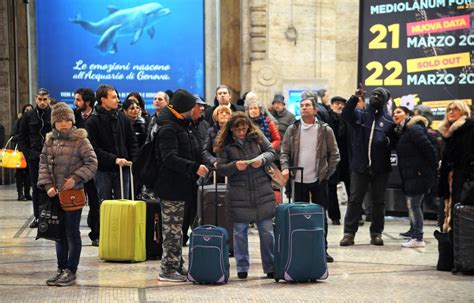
x=263 y=123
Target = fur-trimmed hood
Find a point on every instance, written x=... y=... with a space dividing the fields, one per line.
x=76 y=134
x=447 y=129
x=418 y=119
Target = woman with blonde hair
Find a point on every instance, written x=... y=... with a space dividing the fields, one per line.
x=457 y=163
x=220 y=116
x=243 y=152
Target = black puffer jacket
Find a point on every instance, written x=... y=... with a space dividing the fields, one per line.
x=416 y=157
x=112 y=136
x=177 y=155
x=250 y=195
x=34 y=126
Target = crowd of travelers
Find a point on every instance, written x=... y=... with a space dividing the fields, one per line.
x=335 y=140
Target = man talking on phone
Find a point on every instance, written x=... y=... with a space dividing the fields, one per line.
x=372 y=130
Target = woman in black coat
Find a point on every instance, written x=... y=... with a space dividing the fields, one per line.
x=417 y=165
x=457 y=130
x=243 y=152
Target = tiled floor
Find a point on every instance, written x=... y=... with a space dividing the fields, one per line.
x=361 y=273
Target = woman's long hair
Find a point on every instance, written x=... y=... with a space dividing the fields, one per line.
x=225 y=135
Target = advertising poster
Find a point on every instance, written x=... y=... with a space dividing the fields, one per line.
x=422 y=51
x=133 y=45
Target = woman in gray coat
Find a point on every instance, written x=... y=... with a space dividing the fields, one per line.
x=243 y=152
x=66 y=162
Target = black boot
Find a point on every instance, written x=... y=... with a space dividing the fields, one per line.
x=20 y=196
x=27 y=195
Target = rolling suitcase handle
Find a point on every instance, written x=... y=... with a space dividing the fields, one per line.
x=292 y=180
x=131 y=181
x=214 y=171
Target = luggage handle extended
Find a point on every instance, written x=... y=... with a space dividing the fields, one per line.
x=129 y=164
x=292 y=181
x=214 y=171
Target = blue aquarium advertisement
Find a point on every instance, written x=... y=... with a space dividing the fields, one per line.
x=134 y=45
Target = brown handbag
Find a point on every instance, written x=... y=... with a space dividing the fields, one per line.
x=278 y=180
x=72 y=199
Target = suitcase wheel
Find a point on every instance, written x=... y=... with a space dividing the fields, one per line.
x=276 y=280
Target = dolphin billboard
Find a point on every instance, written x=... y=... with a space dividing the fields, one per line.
x=133 y=45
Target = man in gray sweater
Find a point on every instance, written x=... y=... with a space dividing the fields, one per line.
x=311 y=144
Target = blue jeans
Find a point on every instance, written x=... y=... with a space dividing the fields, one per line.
x=68 y=251
x=108 y=184
x=416 y=216
x=241 y=245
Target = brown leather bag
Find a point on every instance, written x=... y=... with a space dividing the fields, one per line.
x=72 y=199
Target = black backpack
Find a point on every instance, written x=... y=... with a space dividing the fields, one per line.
x=146 y=166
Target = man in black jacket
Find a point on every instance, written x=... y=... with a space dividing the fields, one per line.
x=84 y=99
x=372 y=132
x=175 y=152
x=114 y=141
x=223 y=97
x=33 y=129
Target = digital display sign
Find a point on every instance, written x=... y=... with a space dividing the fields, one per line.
x=422 y=51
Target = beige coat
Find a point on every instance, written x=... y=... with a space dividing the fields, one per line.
x=61 y=158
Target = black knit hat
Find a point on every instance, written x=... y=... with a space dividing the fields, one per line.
x=183 y=101
x=385 y=93
x=62 y=112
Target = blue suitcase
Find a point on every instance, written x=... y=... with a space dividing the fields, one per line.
x=209 y=249
x=299 y=251
x=209 y=255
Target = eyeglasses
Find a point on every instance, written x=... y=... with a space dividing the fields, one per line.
x=452 y=109
x=241 y=129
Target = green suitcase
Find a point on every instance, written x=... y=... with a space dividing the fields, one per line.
x=122 y=229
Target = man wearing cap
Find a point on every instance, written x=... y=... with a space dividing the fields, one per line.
x=33 y=129
x=281 y=114
x=198 y=129
x=371 y=132
x=178 y=171
x=114 y=142
x=342 y=171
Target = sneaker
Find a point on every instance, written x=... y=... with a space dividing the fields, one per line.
x=182 y=271
x=406 y=234
x=347 y=240
x=171 y=277
x=376 y=240
x=242 y=275
x=67 y=278
x=34 y=224
x=336 y=222
x=52 y=281
x=361 y=222
x=414 y=243
x=95 y=242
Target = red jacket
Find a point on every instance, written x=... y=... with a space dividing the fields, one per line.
x=274 y=133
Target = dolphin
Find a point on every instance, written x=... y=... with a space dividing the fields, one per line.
x=122 y=23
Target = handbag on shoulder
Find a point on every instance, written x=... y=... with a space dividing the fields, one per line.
x=72 y=199
x=278 y=180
